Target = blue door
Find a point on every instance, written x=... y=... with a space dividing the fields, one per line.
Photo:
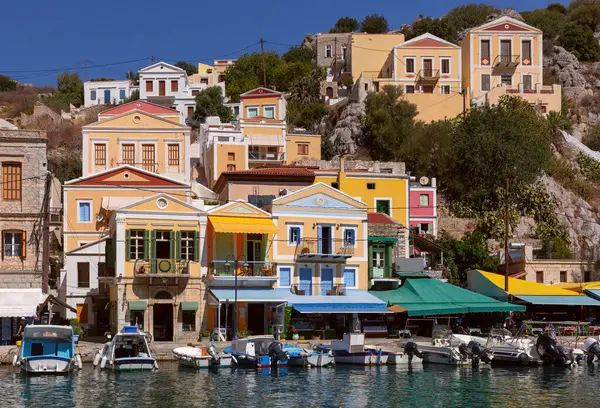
x=326 y=281
x=107 y=96
x=305 y=286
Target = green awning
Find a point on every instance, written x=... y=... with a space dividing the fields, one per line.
x=383 y=239
x=428 y=297
x=189 y=306
x=137 y=305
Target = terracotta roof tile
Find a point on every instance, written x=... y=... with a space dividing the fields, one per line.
x=380 y=218
x=274 y=171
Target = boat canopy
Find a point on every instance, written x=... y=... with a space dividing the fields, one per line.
x=354 y=301
x=428 y=297
x=47 y=332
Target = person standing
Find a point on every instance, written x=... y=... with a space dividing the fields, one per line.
x=21 y=330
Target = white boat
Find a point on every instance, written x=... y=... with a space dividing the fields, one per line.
x=47 y=349
x=127 y=351
x=454 y=349
x=258 y=352
x=317 y=357
x=352 y=350
x=509 y=350
x=200 y=358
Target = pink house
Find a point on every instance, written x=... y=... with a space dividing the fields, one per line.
x=423 y=208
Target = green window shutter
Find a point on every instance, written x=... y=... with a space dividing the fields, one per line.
x=178 y=250
x=153 y=251
x=146 y=244
x=172 y=244
x=196 y=246
x=127 y=245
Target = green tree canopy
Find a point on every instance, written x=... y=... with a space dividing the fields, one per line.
x=579 y=39
x=299 y=54
x=550 y=21
x=557 y=7
x=7 y=84
x=190 y=69
x=439 y=28
x=586 y=14
x=462 y=255
x=69 y=91
x=135 y=95
x=469 y=15
x=426 y=150
x=374 y=24
x=247 y=73
x=389 y=120
x=345 y=25
x=209 y=102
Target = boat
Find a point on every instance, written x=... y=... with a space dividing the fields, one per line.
x=351 y=349
x=508 y=350
x=258 y=352
x=317 y=357
x=454 y=349
x=47 y=349
x=407 y=356
x=203 y=357
x=127 y=351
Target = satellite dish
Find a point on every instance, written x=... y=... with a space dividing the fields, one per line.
x=99 y=217
x=424 y=181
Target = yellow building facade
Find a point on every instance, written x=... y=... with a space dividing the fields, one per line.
x=371 y=54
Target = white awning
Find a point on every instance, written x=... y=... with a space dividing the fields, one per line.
x=115 y=203
x=19 y=302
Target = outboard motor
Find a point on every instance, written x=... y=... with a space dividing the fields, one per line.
x=213 y=353
x=107 y=337
x=592 y=348
x=550 y=352
x=475 y=352
x=275 y=351
x=411 y=349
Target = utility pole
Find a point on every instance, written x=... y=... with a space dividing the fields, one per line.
x=46 y=233
x=506 y=199
x=464 y=95
x=262 y=52
x=84 y=70
x=153 y=59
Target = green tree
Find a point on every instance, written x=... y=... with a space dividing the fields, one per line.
x=439 y=28
x=7 y=84
x=592 y=138
x=66 y=166
x=345 y=25
x=556 y=7
x=189 y=69
x=209 y=102
x=69 y=91
x=550 y=21
x=389 y=120
x=299 y=54
x=579 y=40
x=470 y=252
x=469 y=15
x=247 y=73
x=132 y=76
x=135 y=95
x=374 y=24
x=101 y=79
x=306 y=116
x=585 y=13
x=426 y=150
x=306 y=89
x=284 y=75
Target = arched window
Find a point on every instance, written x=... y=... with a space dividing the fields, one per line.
x=163 y=294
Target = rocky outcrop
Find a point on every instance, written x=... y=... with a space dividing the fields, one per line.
x=568 y=72
x=347 y=133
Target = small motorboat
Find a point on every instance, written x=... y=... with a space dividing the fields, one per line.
x=411 y=350
x=202 y=357
x=508 y=350
x=258 y=352
x=454 y=349
x=352 y=350
x=47 y=349
x=127 y=351
x=317 y=357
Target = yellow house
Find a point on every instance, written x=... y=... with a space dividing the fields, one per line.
x=138 y=134
x=505 y=56
x=371 y=55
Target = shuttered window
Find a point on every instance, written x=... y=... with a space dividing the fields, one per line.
x=128 y=154
x=445 y=66
x=303 y=149
x=11 y=181
x=135 y=244
x=149 y=86
x=83 y=274
x=485 y=82
x=526 y=50
x=410 y=65
x=148 y=158
x=14 y=244
x=485 y=49
x=174 y=86
x=187 y=245
x=100 y=155
x=173 y=154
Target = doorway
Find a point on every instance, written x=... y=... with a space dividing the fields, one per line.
x=107 y=96
x=163 y=322
x=378 y=265
x=325 y=239
x=256 y=318
x=253 y=247
x=162 y=88
x=326 y=281
x=427 y=68
x=305 y=286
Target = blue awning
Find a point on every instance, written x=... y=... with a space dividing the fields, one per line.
x=354 y=301
x=247 y=295
x=341 y=308
x=560 y=300
x=594 y=293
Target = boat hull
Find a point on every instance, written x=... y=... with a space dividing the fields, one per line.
x=443 y=355
x=402 y=358
x=134 y=364
x=365 y=358
x=205 y=362
x=47 y=365
x=312 y=360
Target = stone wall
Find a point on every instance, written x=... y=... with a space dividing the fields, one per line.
x=366 y=165
x=576 y=270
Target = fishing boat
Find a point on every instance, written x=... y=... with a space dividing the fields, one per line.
x=352 y=350
x=258 y=352
x=454 y=349
x=47 y=349
x=127 y=351
x=202 y=357
x=317 y=357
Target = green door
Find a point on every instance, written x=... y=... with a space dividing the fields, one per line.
x=378 y=262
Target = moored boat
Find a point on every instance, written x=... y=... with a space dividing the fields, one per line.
x=127 y=351
x=203 y=357
x=454 y=349
x=47 y=349
x=258 y=352
x=317 y=357
x=352 y=350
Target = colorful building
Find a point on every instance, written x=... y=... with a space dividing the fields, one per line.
x=423 y=206
x=107 y=92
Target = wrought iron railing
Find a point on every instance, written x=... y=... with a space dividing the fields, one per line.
x=428 y=75
x=321 y=289
x=313 y=246
x=505 y=60
x=250 y=268
x=162 y=266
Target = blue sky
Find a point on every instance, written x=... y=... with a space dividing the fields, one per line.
x=42 y=38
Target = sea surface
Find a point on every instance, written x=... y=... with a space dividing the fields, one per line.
x=342 y=386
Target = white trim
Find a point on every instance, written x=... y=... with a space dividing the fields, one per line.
x=348 y=228
x=129 y=167
x=414 y=58
x=430 y=37
x=294 y=225
x=85 y=201
x=505 y=19
x=257 y=107
x=445 y=86
x=449 y=59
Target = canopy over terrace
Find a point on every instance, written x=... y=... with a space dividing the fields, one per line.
x=428 y=297
x=354 y=301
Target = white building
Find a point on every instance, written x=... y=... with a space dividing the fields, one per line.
x=106 y=92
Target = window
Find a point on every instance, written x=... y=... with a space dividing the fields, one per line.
x=424 y=200
x=563 y=276
x=148 y=158
x=527 y=82
x=136 y=318
x=100 y=155
x=445 y=66
x=543 y=109
x=445 y=89
x=344 y=50
x=136 y=244
x=204 y=81
x=505 y=50
x=539 y=276
x=526 y=52
x=485 y=82
x=303 y=149
x=188 y=245
x=174 y=86
x=188 y=320
x=83 y=274
x=190 y=111
x=194 y=92
x=335 y=185
x=410 y=65
x=173 y=154
x=128 y=154
x=328 y=52
x=149 y=86
x=349 y=235
x=11 y=181
x=371 y=186
x=252 y=112
x=231 y=156
x=382 y=206
x=269 y=112
x=350 y=277
x=122 y=94
x=424 y=228
x=14 y=244
x=93 y=95
x=485 y=50
x=84 y=211
x=294 y=235
x=587 y=276
x=427 y=89
x=506 y=79
x=284 y=276
x=409 y=89
x=231 y=167
x=162 y=88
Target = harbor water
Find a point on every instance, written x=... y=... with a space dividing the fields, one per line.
x=342 y=386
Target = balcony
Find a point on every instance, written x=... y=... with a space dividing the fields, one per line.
x=507 y=61
x=148 y=166
x=249 y=274
x=428 y=75
x=265 y=156
x=162 y=268
x=314 y=249
x=323 y=289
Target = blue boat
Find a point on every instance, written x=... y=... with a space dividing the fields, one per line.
x=317 y=357
x=128 y=351
x=258 y=352
x=47 y=349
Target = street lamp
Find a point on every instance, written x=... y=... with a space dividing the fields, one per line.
x=235 y=290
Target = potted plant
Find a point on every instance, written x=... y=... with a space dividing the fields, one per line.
x=203 y=334
x=77 y=330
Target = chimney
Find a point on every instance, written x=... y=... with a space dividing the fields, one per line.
x=433 y=182
x=342 y=164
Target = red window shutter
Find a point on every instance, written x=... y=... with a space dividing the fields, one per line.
x=3 y=244
x=23 y=244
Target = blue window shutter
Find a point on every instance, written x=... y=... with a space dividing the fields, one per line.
x=319 y=240
x=93 y=95
x=351 y=236
x=284 y=276
x=122 y=94
x=349 y=277
x=84 y=211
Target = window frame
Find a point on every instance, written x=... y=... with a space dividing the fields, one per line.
x=530 y=57
x=328 y=51
x=122 y=148
x=303 y=149
x=354 y=241
x=289 y=276
x=414 y=89
x=185 y=325
x=389 y=200
x=251 y=108
x=448 y=60
x=421 y=200
x=354 y=270
x=81 y=283
x=174 y=85
x=503 y=76
x=371 y=186
x=122 y=94
x=231 y=167
x=270 y=107
x=489 y=87
x=414 y=65
x=230 y=156
x=171 y=159
x=9 y=193
x=104 y=146
x=560 y=276
x=190 y=247
x=150 y=85
x=21 y=244
x=443 y=88
x=539 y=274
x=79 y=203
x=300 y=229
x=135 y=241
x=93 y=94
x=489 y=49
